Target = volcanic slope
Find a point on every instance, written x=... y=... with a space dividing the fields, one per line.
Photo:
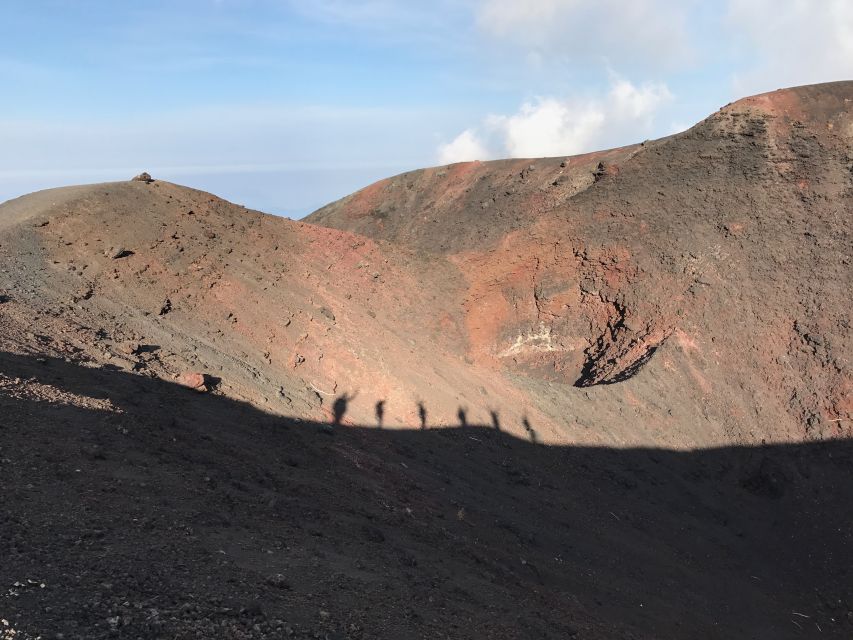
x=133 y=507
x=163 y=281
x=708 y=273
x=633 y=356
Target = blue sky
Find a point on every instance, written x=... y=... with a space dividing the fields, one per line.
x=283 y=105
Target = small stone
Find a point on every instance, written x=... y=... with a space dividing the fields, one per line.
x=194 y=380
x=278 y=581
x=117 y=252
x=633 y=324
x=143 y=177
x=373 y=534
x=130 y=348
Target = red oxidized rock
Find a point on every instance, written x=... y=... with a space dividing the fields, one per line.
x=193 y=380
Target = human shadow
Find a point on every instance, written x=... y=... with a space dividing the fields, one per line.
x=380 y=413
x=422 y=415
x=463 y=417
x=496 y=422
x=531 y=432
x=340 y=406
x=150 y=510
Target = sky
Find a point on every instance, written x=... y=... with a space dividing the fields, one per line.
x=286 y=105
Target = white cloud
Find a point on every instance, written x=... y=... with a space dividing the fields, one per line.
x=462 y=148
x=791 y=42
x=630 y=102
x=640 y=31
x=549 y=126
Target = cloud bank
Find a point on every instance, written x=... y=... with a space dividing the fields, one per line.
x=549 y=126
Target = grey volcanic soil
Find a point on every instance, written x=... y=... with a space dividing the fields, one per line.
x=137 y=508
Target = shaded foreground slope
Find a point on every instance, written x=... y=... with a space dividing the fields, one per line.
x=136 y=508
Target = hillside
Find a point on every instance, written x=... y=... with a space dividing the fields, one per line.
x=603 y=396
x=725 y=250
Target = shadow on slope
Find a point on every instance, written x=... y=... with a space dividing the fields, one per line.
x=148 y=510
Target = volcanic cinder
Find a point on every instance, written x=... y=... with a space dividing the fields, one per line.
x=601 y=396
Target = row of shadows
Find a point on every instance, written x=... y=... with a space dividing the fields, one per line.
x=341 y=404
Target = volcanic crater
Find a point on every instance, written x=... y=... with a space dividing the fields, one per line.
x=600 y=396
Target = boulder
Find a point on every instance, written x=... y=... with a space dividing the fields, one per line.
x=194 y=380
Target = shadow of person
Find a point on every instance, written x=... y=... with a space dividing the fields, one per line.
x=463 y=417
x=496 y=423
x=530 y=432
x=339 y=407
x=380 y=413
x=422 y=415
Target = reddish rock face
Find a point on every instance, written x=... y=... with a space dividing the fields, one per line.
x=695 y=284
x=578 y=271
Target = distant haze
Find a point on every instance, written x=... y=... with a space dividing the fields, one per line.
x=293 y=193
x=285 y=106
